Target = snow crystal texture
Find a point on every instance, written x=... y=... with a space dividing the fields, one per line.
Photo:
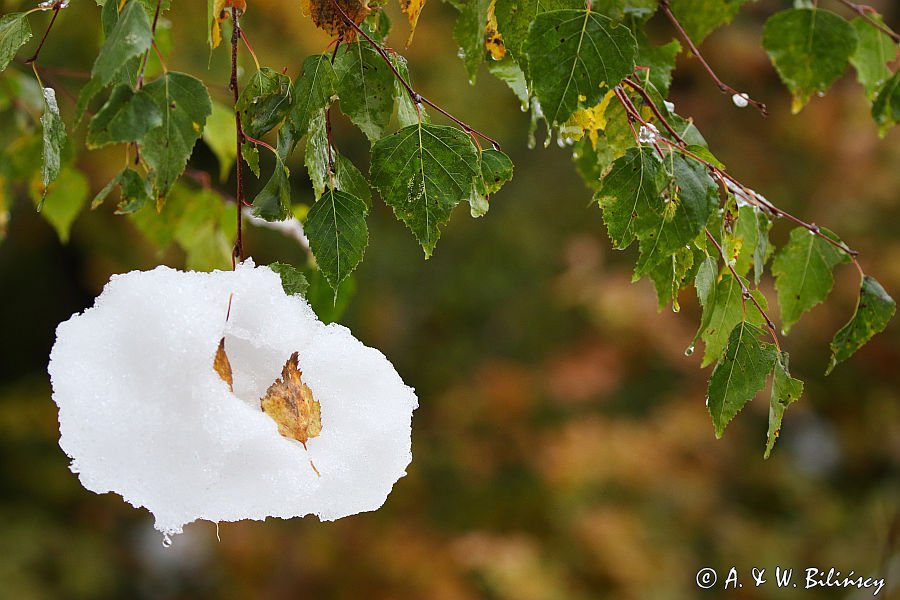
x=142 y=412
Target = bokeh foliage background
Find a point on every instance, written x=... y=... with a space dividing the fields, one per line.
x=562 y=448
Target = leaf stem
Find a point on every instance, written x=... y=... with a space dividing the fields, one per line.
x=253 y=140
x=745 y=291
x=250 y=49
x=56 y=7
x=723 y=87
x=140 y=79
x=864 y=11
x=238 y=252
x=416 y=97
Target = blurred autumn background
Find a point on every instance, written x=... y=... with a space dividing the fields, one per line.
x=562 y=449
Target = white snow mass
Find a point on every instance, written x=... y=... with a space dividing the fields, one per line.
x=143 y=413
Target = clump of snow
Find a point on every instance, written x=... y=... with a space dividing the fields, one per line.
x=143 y=413
x=741 y=100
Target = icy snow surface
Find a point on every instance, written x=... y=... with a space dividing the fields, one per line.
x=142 y=412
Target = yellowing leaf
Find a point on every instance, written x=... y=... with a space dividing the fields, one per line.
x=290 y=403
x=588 y=121
x=493 y=41
x=219 y=14
x=412 y=8
x=223 y=366
x=329 y=19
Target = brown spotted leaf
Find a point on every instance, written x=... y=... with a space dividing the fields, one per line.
x=327 y=17
x=412 y=8
x=223 y=366
x=493 y=41
x=290 y=403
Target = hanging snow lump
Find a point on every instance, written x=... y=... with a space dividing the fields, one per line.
x=317 y=423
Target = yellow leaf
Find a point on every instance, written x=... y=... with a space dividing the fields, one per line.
x=220 y=14
x=330 y=20
x=493 y=41
x=291 y=405
x=412 y=8
x=588 y=121
x=223 y=366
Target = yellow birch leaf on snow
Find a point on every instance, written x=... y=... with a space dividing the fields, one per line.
x=412 y=8
x=329 y=19
x=223 y=366
x=290 y=403
x=493 y=41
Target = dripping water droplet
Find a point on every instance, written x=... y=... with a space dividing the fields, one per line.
x=689 y=351
x=167 y=541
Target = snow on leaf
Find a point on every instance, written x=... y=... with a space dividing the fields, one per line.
x=291 y=404
x=166 y=434
x=329 y=19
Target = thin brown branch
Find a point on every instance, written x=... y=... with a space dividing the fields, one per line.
x=238 y=252
x=745 y=291
x=723 y=87
x=140 y=79
x=865 y=13
x=56 y=8
x=416 y=97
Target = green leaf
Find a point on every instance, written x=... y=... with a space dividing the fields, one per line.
x=338 y=235
x=809 y=48
x=514 y=17
x=126 y=117
x=347 y=178
x=785 y=391
x=220 y=135
x=747 y=244
x=184 y=104
x=273 y=203
x=407 y=111
x=469 y=32
x=873 y=311
x=264 y=102
x=690 y=200
x=630 y=196
x=705 y=283
x=14 y=32
x=423 y=172
x=365 y=85
x=496 y=170
x=64 y=201
x=739 y=375
x=315 y=87
x=701 y=17
x=135 y=192
x=511 y=74
x=873 y=53
x=659 y=60
x=727 y=308
x=886 y=108
x=130 y=37
x=570 y=54
x=54 y=137
x=293 y=281
x=250 y=154
x=674 y=273
x=316 y=155
x=802 y=271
